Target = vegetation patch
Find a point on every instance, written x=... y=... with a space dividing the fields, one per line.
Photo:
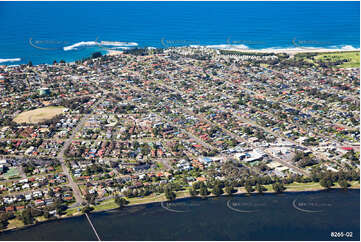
x=12 y=173
x=347 y=59
x=15 y=223
x=106 y=205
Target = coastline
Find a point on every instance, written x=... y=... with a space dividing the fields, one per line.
x=292 y=51
x=287 y=50
x=240 y=191
x=114 y=52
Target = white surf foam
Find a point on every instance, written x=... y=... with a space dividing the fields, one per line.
x=10 y=60
x=228 y=46
x=278 y=49
x=101 y=43
x=116 y=43
x=348 y=47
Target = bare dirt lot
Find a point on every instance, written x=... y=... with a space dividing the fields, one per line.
x=38 y=115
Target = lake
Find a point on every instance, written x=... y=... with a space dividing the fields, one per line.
x=288 y=216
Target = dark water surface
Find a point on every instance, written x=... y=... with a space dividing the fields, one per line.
x=289 y=216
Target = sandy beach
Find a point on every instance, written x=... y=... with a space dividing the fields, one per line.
x=293 y=51
x=289 y=51
x=114 y=52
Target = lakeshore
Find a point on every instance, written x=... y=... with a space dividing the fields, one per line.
x=191 y=211
x=110 y=205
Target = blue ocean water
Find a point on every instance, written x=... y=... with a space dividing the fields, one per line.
x=39 y=31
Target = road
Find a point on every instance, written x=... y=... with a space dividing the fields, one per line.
x=66 y=170
x=236 y=136
x=76 y=191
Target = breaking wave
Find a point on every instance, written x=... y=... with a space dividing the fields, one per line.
x=100 y=44
x=228 y=46
x=10 y=60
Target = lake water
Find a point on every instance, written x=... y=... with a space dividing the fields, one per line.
x=45 y=31
x=288 y=216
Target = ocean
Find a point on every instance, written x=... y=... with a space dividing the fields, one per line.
x=42 y=32
x=308 y=216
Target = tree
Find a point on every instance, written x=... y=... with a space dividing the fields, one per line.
x=51 y=193
x=203 y=191
x=169 y=194
x=27 y=217
x=248 y=188
x=217 y=191
x=3 y=223
x=229 y=190
x=196 y=185
x=96 y=55
x=46 y=214
x=120 y=201
x=193 y=192
x=344 y=184
x=278 y=187
x=248 y=130
x=260 y=188
x=36 y=212
x=326 y=182
x=90 y=198
x=87 y=209
x=4 y=218
x=135 y=193
x=60 y=207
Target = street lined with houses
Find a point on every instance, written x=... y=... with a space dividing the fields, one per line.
x=143 y=125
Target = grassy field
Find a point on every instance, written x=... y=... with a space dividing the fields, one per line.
x=352 y=57
x=71 y=211
x=38 y=115
x=106 y=205
x=110 y=204
x=12 y=172
x=15 y=223
x=160 y=165
x=41 y=219
x=311 y=186
x=147 y=199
